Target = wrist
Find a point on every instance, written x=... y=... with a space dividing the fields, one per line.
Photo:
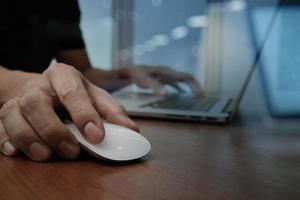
x=96 y=74
x=123 y=73
x=12 y=83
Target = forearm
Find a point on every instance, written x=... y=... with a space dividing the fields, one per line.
x=107 y=79
x=11 y=81
x=102 y=74
x=79 y=59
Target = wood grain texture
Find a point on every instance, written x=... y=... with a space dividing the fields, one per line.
x=255 y=157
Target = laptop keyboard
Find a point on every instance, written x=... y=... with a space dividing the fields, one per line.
x=185 y=103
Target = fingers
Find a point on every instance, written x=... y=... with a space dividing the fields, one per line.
x=74 y=97
x=110 y=109
x=144 y=79
x=21 y=133
x=193 y=83
x=6 y=146
x=37 y=108
x=177 y=87
x=169 y=76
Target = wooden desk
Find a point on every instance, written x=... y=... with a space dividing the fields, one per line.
x=255 y=157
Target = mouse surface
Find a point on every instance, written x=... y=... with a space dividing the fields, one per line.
x=119 y=144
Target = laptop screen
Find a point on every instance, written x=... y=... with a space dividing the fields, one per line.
x=280 y=61
x=211 y=40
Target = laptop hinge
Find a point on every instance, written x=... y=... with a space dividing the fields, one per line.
x=229 y=106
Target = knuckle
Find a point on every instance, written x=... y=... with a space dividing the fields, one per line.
x=30 y=101
x=8 y=107
x=57 y=68
x=20 y=136
x=49 y=132
x=83 y=112
x=69 y=92
x=39 y=84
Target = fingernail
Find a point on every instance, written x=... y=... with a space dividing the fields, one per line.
x=39 y=152
x=93 y=133
x=8 y=149
x=68 y=150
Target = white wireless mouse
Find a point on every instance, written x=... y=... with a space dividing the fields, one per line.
x=119 y=144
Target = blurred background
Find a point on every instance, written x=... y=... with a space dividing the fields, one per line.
x=216 y=41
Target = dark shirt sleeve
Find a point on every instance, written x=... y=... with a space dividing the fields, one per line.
x=64 y=24
x=33 y=32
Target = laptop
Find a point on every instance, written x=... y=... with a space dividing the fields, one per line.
x=227 y=59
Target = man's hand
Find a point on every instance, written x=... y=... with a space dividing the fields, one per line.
x=144 y=76
x=29 y=123
x=156 y=77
